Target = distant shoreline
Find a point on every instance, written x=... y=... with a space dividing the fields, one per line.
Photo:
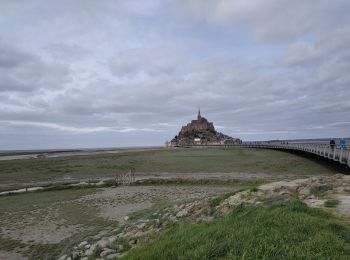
x=50 y=153
x=35 y=153
x=76 y=149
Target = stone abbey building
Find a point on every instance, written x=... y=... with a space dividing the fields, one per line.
x=201 y=132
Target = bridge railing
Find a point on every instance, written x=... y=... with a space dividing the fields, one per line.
x=335 y=153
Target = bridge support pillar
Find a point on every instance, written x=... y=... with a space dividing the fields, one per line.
x=334 y=153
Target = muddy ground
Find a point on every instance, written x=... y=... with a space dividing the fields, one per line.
x=64 y=219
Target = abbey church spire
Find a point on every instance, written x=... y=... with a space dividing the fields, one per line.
x=199 y=114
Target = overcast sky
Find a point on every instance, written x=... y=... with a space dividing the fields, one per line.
x=89 y=73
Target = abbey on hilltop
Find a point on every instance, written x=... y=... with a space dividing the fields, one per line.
x=201 y=132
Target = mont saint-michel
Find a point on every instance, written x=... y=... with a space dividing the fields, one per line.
x=201 y=132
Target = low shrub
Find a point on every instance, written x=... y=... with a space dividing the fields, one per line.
x=216 y=201
x=331 y=203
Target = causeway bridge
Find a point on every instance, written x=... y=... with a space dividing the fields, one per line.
x=322 y=150
x=334 y=153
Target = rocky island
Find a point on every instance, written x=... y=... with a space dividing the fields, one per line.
x=201 y=132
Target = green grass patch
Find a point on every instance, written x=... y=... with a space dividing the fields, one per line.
x=121 y=245
x=254 y=189
x=31 y=201
x=331 y=203
x=7 y=244
x=16 y=173
x=288 y=231
x=216 y=201
x=97 y=251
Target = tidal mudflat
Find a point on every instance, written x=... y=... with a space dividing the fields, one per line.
x=47 y=224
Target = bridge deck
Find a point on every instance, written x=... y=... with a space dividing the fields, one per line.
x=335 y=153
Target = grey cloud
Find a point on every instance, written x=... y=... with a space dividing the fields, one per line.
x=330 y=45
x=230 y=96
x=64 y=51
x=229 y=93
x=78 y=130
x=20 y=71
x=11 y=57
x=272 y=20
x=152 y=61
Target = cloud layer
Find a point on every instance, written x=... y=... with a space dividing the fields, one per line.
x=131 y=73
